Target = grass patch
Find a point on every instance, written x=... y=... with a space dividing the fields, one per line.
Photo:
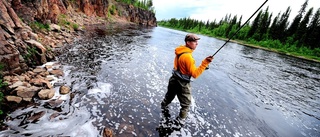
x=63 y=21
x=38 y=26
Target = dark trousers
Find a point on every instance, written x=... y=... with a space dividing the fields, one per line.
x=183 y=91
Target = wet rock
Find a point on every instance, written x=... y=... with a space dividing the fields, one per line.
x=16 y=84
x=7 y=78
x=48 y=67
x=46 y=94
x=54 y=103
x=56 y=72
x=25 y=92
x=54 y=115
x=27 y=99
x=14 y=79
x=36 y=116
x=64 y=90
x=49 y=78
x=59 y=83
x=44 y=74
x=13 y=99
x=39 y=70
x=107 y=132
x=41 y=82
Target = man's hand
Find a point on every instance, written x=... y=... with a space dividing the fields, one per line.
x=209 y=58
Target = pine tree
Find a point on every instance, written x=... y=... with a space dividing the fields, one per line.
x=313 y=31
x=283 y=24
x=273 y=31
x=296 y=21
x=239 y=22
x=255 y=25
x=231 y=25
x=264 y=24
x=301 y=33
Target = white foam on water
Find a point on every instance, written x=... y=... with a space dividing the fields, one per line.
x=101 y=88
x=48 y=63
x=86 y=130
x=73 y=124
x=183 y=132
x=99 y=92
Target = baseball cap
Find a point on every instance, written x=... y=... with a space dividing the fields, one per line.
x=191 y=37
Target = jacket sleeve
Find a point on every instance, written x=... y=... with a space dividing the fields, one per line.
x=190 y=67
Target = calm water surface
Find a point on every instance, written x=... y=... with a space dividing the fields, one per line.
x=119 y=81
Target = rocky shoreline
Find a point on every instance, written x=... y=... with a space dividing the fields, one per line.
x=23 y=87
x=44 y=81
x=35 y=77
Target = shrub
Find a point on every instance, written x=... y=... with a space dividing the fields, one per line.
x=112 y=10
x=2 y=85
x=37 y=26
x=75 y=26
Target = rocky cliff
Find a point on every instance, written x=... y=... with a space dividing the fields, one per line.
x=31 y=30
x=24 y=43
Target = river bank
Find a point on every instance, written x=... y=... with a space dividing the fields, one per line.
x=42 y=81
x=270 y=49
x=28 y=50
x=294 y=53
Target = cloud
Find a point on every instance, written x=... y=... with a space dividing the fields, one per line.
x=199 y=9
x=217 y=9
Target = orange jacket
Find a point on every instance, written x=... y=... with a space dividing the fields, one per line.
x=187 y=63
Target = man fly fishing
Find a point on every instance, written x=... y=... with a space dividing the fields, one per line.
x=184 y=69
x=179 y=82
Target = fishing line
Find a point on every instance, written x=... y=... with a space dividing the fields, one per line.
x=239 y=28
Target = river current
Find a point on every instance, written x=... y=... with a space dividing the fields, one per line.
x=119 y=80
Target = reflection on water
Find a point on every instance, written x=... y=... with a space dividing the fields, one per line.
x=118 y=82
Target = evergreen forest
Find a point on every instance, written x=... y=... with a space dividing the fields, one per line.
x=301 y=37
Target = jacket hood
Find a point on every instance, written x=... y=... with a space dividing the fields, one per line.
x=183 y=49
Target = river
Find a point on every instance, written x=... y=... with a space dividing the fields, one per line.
x=118 y=82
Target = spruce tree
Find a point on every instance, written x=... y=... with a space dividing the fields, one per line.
x=301 y=33
x=273 y=31
x=296 y=21
x=283 y=24
x=264 y=24
x=255 y=25
x=313 y=31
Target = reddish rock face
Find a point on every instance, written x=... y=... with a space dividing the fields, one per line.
x=16 y=37
x=94 y=7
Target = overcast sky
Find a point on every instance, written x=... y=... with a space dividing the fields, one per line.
x=217 y=9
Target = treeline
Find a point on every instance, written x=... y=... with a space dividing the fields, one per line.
x=143 y=4
x=301 y=37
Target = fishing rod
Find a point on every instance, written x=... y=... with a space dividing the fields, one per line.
x=239 y=28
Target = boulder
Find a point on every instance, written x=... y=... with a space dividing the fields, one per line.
x=64 y=90
x=25 y=92
x=46 y=94
x=13 y=99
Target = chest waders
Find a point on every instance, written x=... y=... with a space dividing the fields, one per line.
x=177 y=73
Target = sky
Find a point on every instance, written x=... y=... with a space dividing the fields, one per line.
x=217 y=9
